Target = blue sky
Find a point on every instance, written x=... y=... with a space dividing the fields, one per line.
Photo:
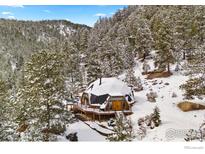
x=82 y=14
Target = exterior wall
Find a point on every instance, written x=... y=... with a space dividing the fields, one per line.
x=117 y=103
x=84 y=99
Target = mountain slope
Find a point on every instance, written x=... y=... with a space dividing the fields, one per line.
x=19 y=39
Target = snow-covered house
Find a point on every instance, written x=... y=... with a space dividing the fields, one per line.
x=105 y=96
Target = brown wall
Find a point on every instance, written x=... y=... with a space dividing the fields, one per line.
x=119 y=105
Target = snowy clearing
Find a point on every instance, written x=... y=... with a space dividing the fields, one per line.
x=175 y=123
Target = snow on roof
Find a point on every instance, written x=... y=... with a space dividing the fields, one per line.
x=111 y=86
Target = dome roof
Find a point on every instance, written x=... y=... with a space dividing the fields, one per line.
x=111 y=86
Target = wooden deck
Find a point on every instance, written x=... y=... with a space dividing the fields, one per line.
x=96 y=113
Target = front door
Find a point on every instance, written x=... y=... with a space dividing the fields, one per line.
x=117 y=105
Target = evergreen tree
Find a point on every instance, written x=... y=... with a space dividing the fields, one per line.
x=163 y=41
x=199 y=25
x=143 y=38
x=123 y=131
x=40 y=105
x=7 y=124
x=183 y=29
x=72 y=69
x=3 y=103
x=131 y=79
x=156 y=117
x=145 y=67
x=195 y=67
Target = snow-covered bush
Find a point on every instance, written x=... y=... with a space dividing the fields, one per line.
x=145 y=67
x=174 y=95
x=199 y=134
x=123 y=131
x=194 y=87
x=147 y=120
x=141 y=132
x=72 y=137
x=138 y=85
x=141 y=121
x=151 y=97
x=111 y=122
x=152 y=120
x=177 y=68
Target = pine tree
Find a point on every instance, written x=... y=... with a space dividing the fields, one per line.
x=199 y=25
x=131 y=79
x=123 y=131
x=72 y=69
x=163 y=40
x=156 y=117
x=3 y=103
x=40 y=100
x=7 y=124
x=143 y=38
x=145 y=67
x=195 y=67
x=183 y=29
x=94 y=70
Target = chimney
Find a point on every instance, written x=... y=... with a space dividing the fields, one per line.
x=100 y=81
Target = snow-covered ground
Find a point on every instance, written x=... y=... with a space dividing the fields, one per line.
x=84 y=132
x=175 y=123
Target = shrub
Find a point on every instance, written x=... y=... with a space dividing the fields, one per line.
x=123 y=131
x=151 y=97
x=196 y=134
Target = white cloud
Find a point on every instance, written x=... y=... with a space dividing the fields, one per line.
x=67 y=19
x=11 y=17
x=100 y=15
x=20 y=6
x=7 y=13
x=47 y=11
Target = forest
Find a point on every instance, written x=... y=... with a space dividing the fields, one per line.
x=44 y=63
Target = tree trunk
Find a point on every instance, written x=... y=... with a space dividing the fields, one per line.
x=184 y=55
x=48 y=122
x=168 y=68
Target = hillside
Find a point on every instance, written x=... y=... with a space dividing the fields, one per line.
x=175 y=123
x=157 y=51
x=20 y=39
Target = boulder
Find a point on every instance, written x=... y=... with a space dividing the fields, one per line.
x=72 y=137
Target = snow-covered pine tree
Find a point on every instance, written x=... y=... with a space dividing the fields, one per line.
x=145 y=67
x=3 y=103
x=199 y=25
x=163 y=40
x=143 y=38
x=195 y=67
x=94 y=70
x=131 y=79
x=123 y=130
x=183 y=30
x=7 y=123
x=72 y=64
x=41 y=114
x=156 y=116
